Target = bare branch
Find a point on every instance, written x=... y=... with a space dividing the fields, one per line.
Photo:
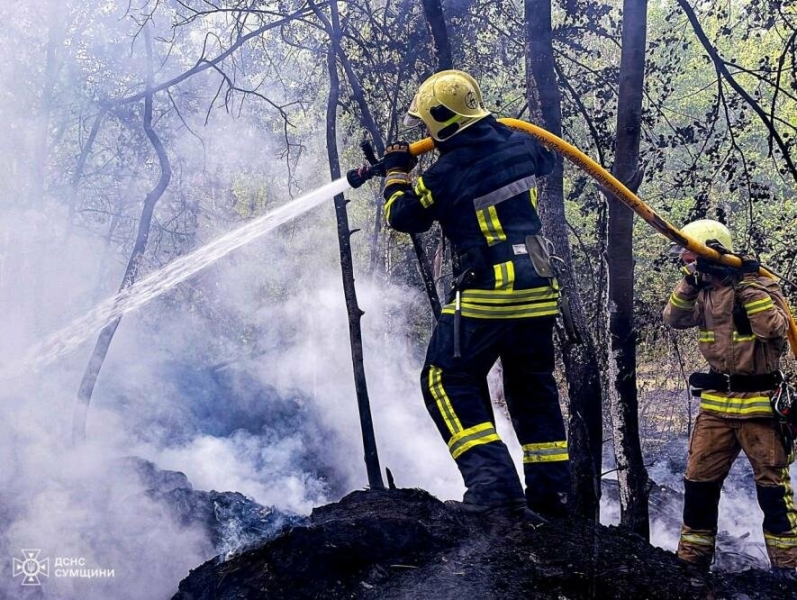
x=203 y=64
x=722 y=70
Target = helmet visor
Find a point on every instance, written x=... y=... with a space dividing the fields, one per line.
x=413 y=117
x=675 y=251
x=409 y=121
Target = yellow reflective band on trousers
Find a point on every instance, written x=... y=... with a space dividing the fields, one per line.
x=490 y=225
x=791 y=509
x=504 y=275
x=755 y=405
x=778 y=541
x=697 y=539
x=443 y=401
x=682 y=303
x=545 y=452
x=507 y=304
x=423 y=193
x=461 y=442
x=389 y=204
x=534 y=195
x=752 y=308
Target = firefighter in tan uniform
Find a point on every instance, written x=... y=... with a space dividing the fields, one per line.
x=742 y=329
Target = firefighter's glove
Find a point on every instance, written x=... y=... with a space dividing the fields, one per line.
x=706 y=265
x=691 y=276
x=398 y=158
x=750 y=266
x=715 y=245
x=711 y=267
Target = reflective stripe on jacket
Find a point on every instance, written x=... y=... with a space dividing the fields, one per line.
x=727 y=350
x=483 y=192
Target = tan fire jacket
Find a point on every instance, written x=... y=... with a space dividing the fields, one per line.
x=726 y=350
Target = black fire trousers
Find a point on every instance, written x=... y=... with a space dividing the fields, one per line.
x=456 y=395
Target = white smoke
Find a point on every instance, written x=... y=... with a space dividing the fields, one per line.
x=287 y=435
x=241 y=378
x=739 y=513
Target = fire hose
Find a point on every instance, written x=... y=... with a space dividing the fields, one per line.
x=607 y=181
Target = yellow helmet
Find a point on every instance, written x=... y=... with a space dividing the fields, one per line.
x=704 y=230
x=447 y=102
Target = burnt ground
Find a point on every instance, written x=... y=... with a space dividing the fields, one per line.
x=404 y=544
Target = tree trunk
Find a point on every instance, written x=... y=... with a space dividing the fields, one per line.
x=367 y=119
x=433 y=11
x=131 y=272
x=631 y=473
x=41 y=142
x=347 y=266
x=55 y=39
x=435 y=18
x=580 y=360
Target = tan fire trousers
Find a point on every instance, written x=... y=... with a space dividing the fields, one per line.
x=715 y=443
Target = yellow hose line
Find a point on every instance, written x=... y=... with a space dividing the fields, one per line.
x=627 y=197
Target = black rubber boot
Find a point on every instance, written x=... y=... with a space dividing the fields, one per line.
x=514 y=511
x=550 y=505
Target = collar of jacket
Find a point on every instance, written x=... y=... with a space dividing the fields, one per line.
x=487 y=129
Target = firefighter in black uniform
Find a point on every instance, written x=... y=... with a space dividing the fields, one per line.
x=482 y=190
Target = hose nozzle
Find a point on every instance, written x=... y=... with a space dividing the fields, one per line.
x=374 y=168
x=357 y=177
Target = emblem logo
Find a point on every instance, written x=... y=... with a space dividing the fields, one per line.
x=30 y=567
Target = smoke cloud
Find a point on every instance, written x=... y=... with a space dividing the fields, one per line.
x=240 y=377
x=273 y=417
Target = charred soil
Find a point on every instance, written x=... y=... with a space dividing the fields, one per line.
x=406 y=544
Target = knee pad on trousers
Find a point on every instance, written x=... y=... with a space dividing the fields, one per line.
x=701 y=504
x=772 y=500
